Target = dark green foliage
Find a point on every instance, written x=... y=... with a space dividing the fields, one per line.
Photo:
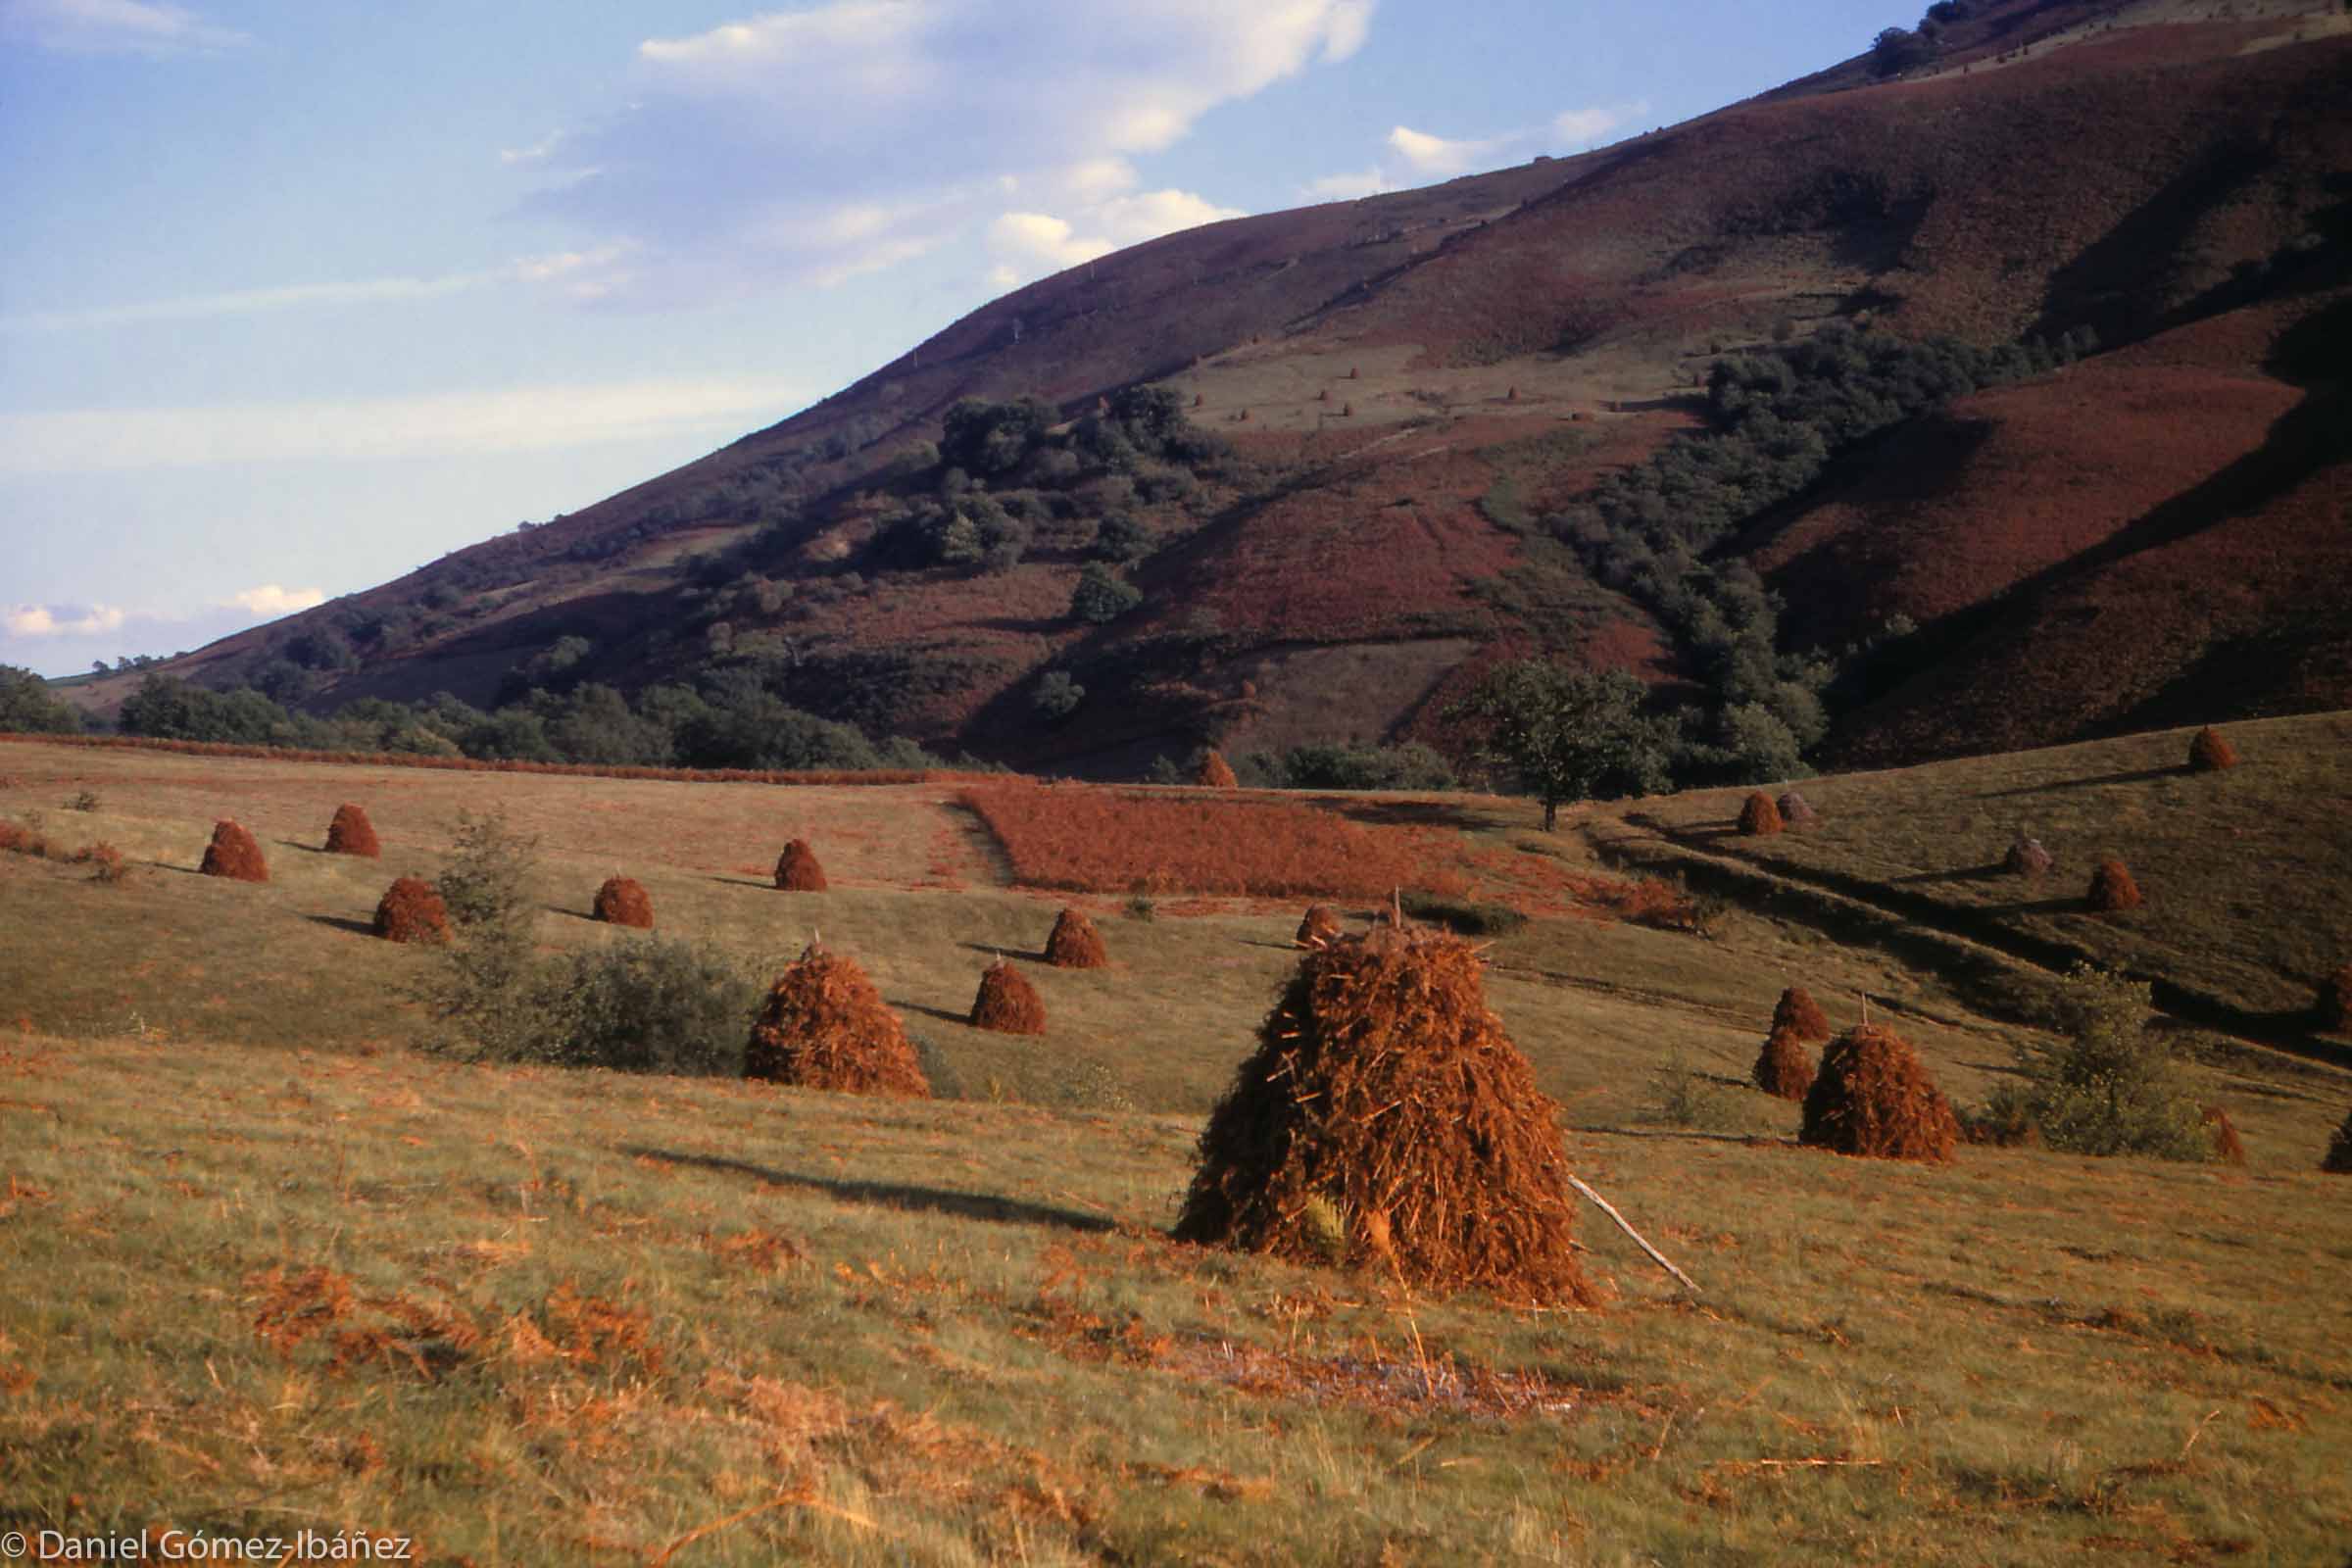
x=1122 y=539
x=651 y=1006
x=27 y=706
x=1102 y=598
x=1571 y=734
x=170 y=708
x=483 y=886
x=1897 y=50
x=2109 y=1085
x=1058 y=696
x=984 y=438
x=1330 y=766
x=1464 y=916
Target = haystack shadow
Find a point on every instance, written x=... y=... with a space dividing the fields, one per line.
x=2135 y=776
x=996 y=950
x=363 y=928
x=893 y=1194
x=941 y=1013
x=1989 y=872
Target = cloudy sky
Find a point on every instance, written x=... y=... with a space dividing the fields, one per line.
x=295 y=297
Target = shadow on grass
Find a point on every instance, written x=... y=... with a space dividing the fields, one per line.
x=941 y=1013
x=2138 y=776
x=1992 y=872
x=2076 y=905
x=1755 y=1139
x=307 y=848
x=893 y=1194
x=1406 y=813
x=765 y=884
x=996 y=950
x=338 y=923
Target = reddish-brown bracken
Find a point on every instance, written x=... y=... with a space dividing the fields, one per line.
x=797 y=871
x=1007 y=1003
x=623 y=900
x=411 y=910
x=1759 y=817
x=1075 y=944
x=1797 y=1012
x=1784 y=1068
x=2210 y=752
x=351 y=833
x=1874 y=1097
x=2112 y=889
x=234 y=853
x=824 y=1026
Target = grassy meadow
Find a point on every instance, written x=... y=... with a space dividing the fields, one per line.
x=270 y=1267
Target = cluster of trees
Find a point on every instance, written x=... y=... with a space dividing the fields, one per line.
x=1897 y=50
x=27 y=706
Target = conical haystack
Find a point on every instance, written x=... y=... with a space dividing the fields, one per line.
x=411 y=910
x=1874 y=1097
x=1759 y=817
x=2227 y=1147
x=351 y=833
x=1795 y=811
x=1215 y=774
x=2338 y=1161
x=824 y=1026
x=2111 y=887
x=234 y=853
x=623 y=900
x=2027 y=857
x=1386 y=1117
x=2334 y=1004
x=1075 y=943
x=1797 y=1012
x=1784 y=1068
x=797 y=871
x=2211 y=751
x=1007 y=1003
x=1319 y=927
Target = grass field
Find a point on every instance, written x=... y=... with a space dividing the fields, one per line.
x=272 y=1269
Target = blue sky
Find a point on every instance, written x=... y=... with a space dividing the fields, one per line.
x=297 y=297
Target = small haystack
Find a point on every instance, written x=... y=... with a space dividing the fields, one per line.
x=1007 y=1003
x=1319 y=927
x=1875 y=1096
x=2111 y=887
x=2211 y=751
x=1215 y=774
x=411 y=910
x=234 y=853
x=1385 y=1118
x=1795 y=811
x=1784 y=1068
x=623 y=900
x=2338 y=1161
x=351 y=833
x=2227 y=1147
x=824 y=1026
x=1075 y=943
x=1759 y=817
x=2334 y=1004
x=1797 y=1012
x=797 y=871
x=2027 y=857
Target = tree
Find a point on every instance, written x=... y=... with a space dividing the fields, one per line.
x=1100 y=598
x=26 y=705
x=1058 y=696
x=1571 y=734
x=2109 y=1084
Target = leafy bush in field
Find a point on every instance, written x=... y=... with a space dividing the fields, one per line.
x=1058 y=696
x=653 y=1005
x=1570 y=734
x=1100 y=598
x=29 y=708
x=1324 y=766
x=2109 y=1085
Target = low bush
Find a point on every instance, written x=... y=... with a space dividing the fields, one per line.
x=2112 y=890
x=2108 y=1083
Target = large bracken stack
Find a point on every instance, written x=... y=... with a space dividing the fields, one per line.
x=1215 y=774
x=1075 y=944
x=1795 y=811
x=623 y=900
x=1784 y=1068
x=824 y=1026
x=2211 y=751
x=1797 y=1012
x=2227 y=1147
x=2334 y=1004
x=1319 y=927
x=1874 y=1097
x=2338 y=1161
x=1385 y=1118
x=2111 y=887
x=411 y=910
x=797 y=871
x=1007 y=1003
x=351 y=833
x=2027 y=857
x=1759 y=817
x=234 y=853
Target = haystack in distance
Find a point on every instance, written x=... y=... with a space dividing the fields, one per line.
x=1385 y=1118
x=824 y=1026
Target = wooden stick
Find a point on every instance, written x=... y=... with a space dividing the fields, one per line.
x=1609 y=1208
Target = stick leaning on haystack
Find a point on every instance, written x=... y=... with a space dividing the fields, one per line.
x=1657 y=1256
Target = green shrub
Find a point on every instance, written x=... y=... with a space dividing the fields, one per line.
x=1100 y=598
x=2108 y=1085
x=483 y=883
x=654 y=1005
x=1683 y=1096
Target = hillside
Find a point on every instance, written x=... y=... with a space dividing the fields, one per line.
x=1404 y=393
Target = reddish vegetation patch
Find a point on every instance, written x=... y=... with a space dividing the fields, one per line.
x=105 y=861
x=1215 y=774
x=1784 y=1068
x=234 y=853
x=1075 y=944
x=2027 y=857
x=1800 y=1015
x=1759 y=817
x=1795 y=811
x=1874 y=1097
x=2211 y=751
x=2227 y=1147
x=797 y=871
x=1387 y=1120
x=1319 y=927
x=622 y=901
x=824 y=1026
x=1007 y=1003
x=411 y=910
x=2334 y=1002
x=1093 y=840
x=2338 y=1161
x=351 y=833
x=2111 y=887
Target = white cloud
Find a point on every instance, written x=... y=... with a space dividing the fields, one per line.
x=1441 y=159
x=1349 y=187
x=60 y=621
x=1420 y=158
x=271 y=600
x=510 y=420
x=1030 y=245
x=817 y=144
x=112 y=26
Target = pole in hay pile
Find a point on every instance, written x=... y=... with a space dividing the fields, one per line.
x=1657 y=1256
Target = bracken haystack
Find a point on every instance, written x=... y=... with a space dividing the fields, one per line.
x=2227 y=1147
x=2210 y=752
x=2334 y=1004
x=234 y=853
x=1215 y=774
x=351 y=833
x=1075 y=944
x=1784 y=1068
x=1797 y=1012
x=2338 y=1161
x=1007 y=1003
x=411 y=910
x=1873 y=1095
x=824 y=1026
x=1385 y=1118
x=2111 y=887
x=2027 y=857
x=1795 y=811
x=797 y=871
x=1759 y=817
x=1319 y=927
x=623 y=900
